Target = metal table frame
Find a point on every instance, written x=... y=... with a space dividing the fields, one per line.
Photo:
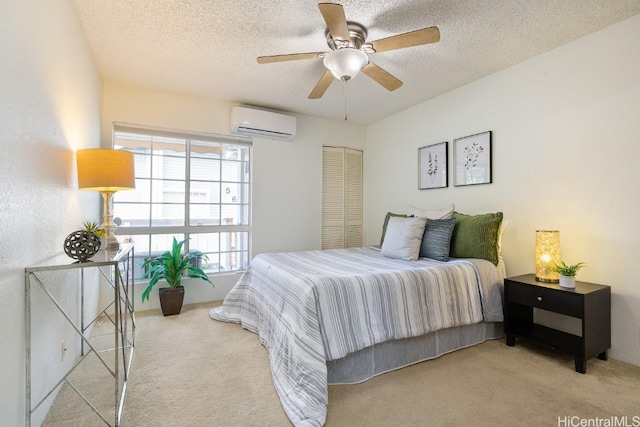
x=117 y=270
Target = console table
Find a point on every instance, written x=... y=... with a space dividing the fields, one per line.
x=48 y=288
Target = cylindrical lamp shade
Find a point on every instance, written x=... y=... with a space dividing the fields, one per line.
x=105 y=170
x=547 y=255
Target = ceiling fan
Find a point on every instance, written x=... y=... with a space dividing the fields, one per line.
x=350 y=51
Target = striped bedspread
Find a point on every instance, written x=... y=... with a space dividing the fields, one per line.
x=310 y=307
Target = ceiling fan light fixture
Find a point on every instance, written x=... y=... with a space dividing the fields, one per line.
x=345 y=63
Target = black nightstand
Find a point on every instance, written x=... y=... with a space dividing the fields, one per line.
x=589 y=302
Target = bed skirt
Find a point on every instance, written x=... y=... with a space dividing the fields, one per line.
x=391 y=355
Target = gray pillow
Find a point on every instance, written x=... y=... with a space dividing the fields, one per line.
x=403 y=237
x=436 y=241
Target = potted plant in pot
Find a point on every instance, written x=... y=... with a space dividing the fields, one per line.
x=567 y=273
x=94 y=227
x=172 y=266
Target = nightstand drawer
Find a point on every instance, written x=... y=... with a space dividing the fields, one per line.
x=563 y=302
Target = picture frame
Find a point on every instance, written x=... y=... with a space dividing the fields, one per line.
x=432 y=166
x=472 y=159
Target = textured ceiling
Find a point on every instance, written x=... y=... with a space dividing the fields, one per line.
x=209 y=47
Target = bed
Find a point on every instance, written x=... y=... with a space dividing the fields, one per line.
x=345 y=315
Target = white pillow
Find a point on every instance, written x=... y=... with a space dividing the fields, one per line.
x=403 y=238
x=444 y=213
x=503 y=226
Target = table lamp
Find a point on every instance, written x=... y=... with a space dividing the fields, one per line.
x=106 y=171
x=547 y=255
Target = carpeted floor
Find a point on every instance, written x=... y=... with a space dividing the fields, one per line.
x=189 y=370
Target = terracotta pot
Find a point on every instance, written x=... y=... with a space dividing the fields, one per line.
x=171 y=300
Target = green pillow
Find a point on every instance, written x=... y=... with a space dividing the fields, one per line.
x=476 y=236
x=386 y=221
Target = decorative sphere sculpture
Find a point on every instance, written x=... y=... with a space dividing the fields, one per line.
x=82 y=245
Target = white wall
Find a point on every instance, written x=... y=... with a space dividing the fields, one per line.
x=49 y=106
x=287 y=176
x=566 y=133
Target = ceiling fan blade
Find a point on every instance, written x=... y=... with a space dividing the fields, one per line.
x=289 y=57
x=322 y=85
x=381 y=76
x=412 y=38
x=333 y=15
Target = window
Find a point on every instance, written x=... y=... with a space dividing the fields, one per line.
x=188 y=186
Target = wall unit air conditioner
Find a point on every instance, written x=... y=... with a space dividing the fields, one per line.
x=262 y=124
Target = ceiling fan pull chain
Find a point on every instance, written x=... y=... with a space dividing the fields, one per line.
x=344 y=94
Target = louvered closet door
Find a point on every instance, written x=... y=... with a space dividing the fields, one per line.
x=341 y=198
x=332 y=197
x=353 y=198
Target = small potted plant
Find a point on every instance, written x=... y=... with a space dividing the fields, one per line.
x=94 y=227
x=567 y=273
x=172 y=266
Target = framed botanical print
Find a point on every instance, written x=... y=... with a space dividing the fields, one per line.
x=432 y=166
x=472 y=159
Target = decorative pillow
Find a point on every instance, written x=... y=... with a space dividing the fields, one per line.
x=437 y=239
x=443 y=213
x=503 y=226
x=386 y=221
x=476 y=236
x=403 y=238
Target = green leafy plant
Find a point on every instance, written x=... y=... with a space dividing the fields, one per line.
x=567 y=270
x=94 y=227
x=172 y=266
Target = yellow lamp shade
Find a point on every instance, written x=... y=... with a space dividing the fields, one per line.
x=105 y=170
x=547 y=255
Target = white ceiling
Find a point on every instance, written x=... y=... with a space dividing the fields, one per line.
x=209 y=47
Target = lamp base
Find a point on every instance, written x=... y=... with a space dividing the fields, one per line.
x=540 y=279
x=109 y=241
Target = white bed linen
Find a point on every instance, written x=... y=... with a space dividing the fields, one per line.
x=312 y=307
